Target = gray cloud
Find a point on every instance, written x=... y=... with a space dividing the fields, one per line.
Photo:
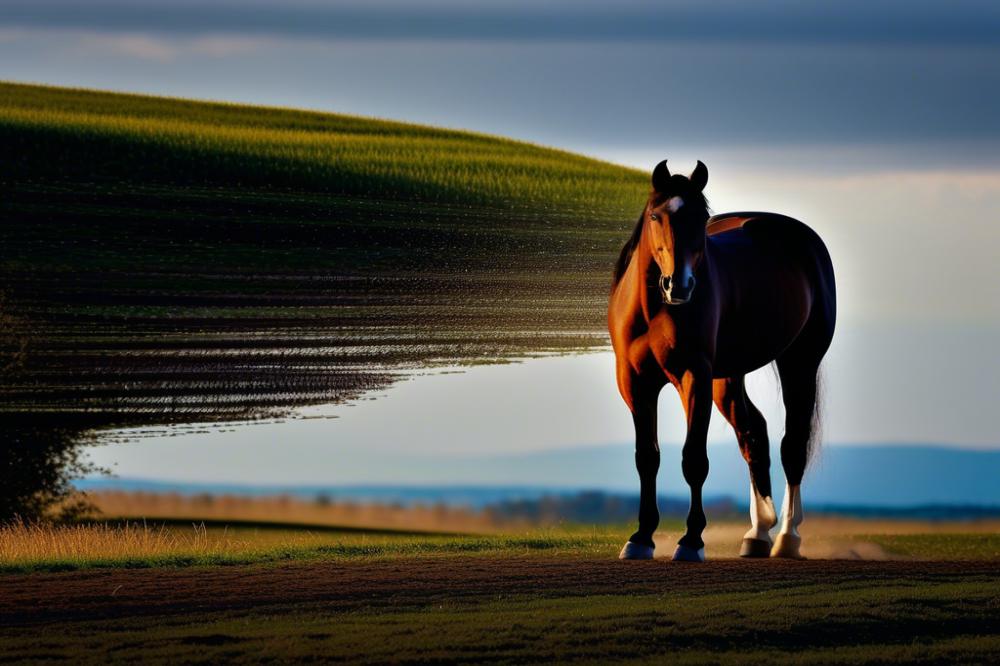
x=962 y=22
x=616 y=96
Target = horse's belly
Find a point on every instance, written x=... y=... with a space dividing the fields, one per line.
x=746 y=343
x=736 y=365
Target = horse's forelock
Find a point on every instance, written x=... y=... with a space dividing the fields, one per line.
x=695 y=203
x=679 y=186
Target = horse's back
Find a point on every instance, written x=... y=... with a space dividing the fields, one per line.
x=770 y=226
x=779 y=236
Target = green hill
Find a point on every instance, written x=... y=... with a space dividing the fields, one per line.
x=180 y=260
x=128 y=138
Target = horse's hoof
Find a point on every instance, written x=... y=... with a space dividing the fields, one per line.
x=636 y=551
x=686 y=554
x=755 y=548
x=787 y=546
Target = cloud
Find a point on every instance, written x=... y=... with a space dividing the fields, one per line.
x=143 y=45
x=960 y=22
x=224 y=46
x=140 y=46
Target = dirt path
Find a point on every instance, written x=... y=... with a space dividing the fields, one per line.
x=32 y=599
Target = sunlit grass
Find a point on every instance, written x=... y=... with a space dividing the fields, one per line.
x=954 y=546
x=145 y=138
x=24 y=546
x=41 y=547
x=176 y=543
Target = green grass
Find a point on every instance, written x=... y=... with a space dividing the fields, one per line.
x=847 y=622
x=77 y=161
x=973 y=546
x=541 y=596
x=140 y=546
x=180 y=544
x=807 y=624
x=132 y=138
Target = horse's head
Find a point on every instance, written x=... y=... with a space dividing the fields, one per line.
x=676 y=215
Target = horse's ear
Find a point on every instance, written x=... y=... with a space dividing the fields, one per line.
x=661 y=177
x=699 y=177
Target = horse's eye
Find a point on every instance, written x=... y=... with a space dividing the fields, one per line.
x=654 y=217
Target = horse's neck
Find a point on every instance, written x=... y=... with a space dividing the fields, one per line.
x=645 y=277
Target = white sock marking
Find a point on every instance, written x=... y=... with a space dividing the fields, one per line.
x=762 y=516
x=791 y=511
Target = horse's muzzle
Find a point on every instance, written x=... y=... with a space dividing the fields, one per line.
x=673 y=292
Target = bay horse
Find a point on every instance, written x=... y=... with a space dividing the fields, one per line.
x=699 y=302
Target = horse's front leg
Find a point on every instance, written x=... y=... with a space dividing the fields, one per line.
x=696 y=394
x=642 y=399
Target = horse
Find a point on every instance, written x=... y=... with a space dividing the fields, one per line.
x=699 y=302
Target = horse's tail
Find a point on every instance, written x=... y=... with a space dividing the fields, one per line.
x=825 y=304
x=816 y=421
x=816 y=424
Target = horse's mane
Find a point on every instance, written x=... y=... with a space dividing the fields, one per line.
x=625 y=256
x=627 y=250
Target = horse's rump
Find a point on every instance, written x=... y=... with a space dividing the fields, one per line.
x=785 y=234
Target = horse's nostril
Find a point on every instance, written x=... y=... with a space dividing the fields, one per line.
x=682 y=286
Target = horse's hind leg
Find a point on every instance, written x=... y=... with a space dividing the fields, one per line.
x=798 y=389
x=751 y=433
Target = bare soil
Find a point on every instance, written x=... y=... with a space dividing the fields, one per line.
x=42 y=598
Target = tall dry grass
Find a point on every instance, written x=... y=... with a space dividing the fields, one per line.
x=290 y=510
x=135 y=534
x=23 y=544
x=36 y=547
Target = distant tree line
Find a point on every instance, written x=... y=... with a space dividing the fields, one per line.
x=595 y=507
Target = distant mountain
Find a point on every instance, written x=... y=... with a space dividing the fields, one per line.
x=888 y=475
x=853 y=479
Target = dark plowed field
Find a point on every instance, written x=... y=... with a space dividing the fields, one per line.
x=509 y=609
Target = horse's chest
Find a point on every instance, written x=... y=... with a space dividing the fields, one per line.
x=664 y=345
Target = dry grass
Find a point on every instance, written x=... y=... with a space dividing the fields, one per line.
x=23 y=544
x=290 y=511
x=252 y=529
x=267 y=529
x=39 y=547
x=29 y=547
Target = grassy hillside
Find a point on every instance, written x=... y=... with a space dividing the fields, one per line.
x=128 y=138
x=178 y=260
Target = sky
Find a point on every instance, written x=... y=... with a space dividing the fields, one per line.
x=878 y=123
